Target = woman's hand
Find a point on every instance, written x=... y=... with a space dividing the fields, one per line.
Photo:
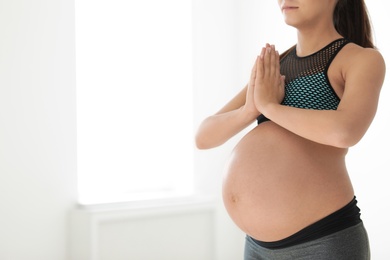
x=269 y=83
x=249 y=106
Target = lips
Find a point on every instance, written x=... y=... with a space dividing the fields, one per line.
x=289 y=8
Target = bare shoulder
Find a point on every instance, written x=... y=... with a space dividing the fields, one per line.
x=355 y=56
x=363 y=63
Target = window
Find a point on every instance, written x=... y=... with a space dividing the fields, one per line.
x=134 y=99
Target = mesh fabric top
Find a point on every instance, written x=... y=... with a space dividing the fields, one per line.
x=307 y=85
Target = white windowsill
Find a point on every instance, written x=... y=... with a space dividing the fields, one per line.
x=188 y=202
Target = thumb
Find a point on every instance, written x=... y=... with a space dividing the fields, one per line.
x=282 y=79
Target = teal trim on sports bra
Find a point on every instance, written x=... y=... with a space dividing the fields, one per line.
x=307 y=85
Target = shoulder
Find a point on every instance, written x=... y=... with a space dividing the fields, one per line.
x=355 y=56
x=359 y=62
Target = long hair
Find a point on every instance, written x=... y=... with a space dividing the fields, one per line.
x=352 y=21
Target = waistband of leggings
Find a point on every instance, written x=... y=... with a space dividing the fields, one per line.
x=343 y=218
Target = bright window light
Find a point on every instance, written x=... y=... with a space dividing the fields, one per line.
x=134 y=99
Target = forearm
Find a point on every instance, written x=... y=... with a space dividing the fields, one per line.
x=329 y=127
x=217 y=129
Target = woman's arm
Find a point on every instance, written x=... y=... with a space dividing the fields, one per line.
x=236 y=115
x=343 y=127
x=227 y=122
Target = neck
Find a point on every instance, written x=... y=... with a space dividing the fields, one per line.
x=311 y=41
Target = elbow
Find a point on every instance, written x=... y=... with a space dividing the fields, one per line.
x=201 y=143
x=204 y=137
x=202 y=147
x=208 y=135
x=345 y=138
x=343 y=142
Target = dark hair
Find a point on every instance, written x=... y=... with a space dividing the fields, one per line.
x=352 y=21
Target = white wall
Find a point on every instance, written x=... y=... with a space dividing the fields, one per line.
x=37 y=128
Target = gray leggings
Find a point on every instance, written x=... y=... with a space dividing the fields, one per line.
x=348 y=244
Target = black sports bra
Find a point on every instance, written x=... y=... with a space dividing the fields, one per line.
x=307 y=84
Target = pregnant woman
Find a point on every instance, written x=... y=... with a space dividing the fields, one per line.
x=286 y=185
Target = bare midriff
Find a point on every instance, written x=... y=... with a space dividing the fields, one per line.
x=277 y=182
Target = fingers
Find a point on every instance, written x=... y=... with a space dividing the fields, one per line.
x=270 y=62
x=273 y=61
x=277 y=63
x=260 y=65
x=267 y=60
x=282 y=81
x=253 y=73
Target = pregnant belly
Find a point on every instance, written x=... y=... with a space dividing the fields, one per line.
x=278 y=183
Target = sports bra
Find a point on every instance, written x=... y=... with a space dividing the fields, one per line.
x=307 y=84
